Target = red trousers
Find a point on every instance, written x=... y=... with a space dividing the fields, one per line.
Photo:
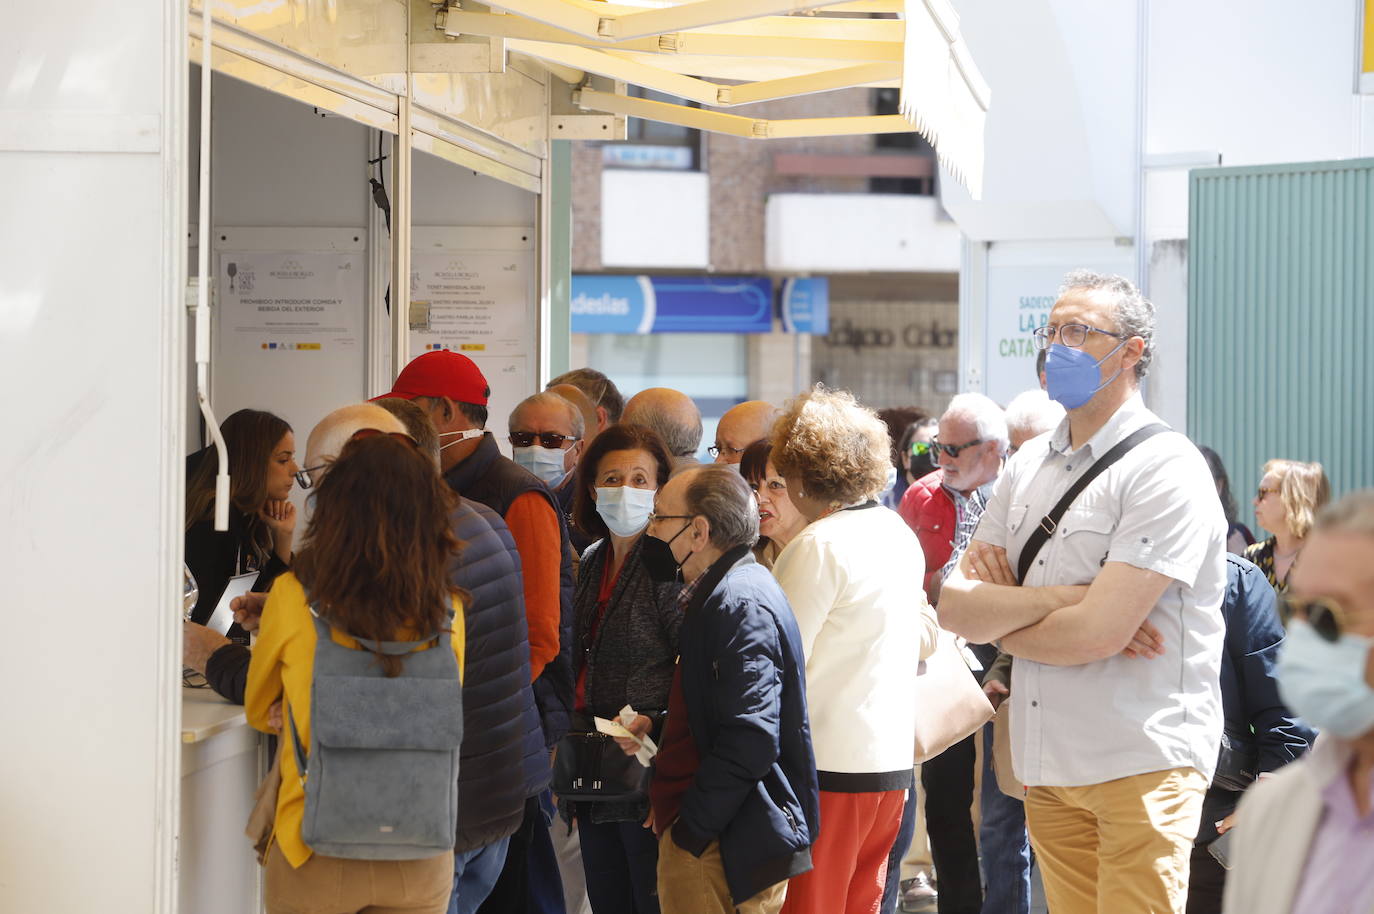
x=849 y=856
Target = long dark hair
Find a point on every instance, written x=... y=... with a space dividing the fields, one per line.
x=376 y=554
x=1223 y=481
x=619 y=437
x=250 y=435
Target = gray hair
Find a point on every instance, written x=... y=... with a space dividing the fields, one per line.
x=600 y=389
x=986 y=415
x=1034 y=413
x=545 y=398
x=722 y=496
x=1133 y=312
x=417 y=423
x=1353 y=513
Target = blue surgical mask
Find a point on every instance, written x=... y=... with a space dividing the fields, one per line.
x=1323 y=681
x=625 y=509
x=544 y=462
x=1072 y=376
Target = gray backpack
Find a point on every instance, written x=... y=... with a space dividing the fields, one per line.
x=381 y=778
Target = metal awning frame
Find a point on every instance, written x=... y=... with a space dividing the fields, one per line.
x=679 y=49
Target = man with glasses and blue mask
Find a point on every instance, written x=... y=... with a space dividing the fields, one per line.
x=1303 y=837
x=1113 y=615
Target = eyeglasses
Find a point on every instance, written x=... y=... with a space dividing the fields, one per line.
x=1071 y=335
x=1325 y=615
x=546 y=439
x=716 y=449
x=303 y=477
x=1261 y=492
x=953 y=450
x=654 y=516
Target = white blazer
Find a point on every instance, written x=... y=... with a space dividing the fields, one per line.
x=1277 y=821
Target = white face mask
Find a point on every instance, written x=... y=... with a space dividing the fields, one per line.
x=625 y=509
x=544 y=462
x=465 y=435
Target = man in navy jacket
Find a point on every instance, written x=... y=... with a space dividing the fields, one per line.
x=734 y=797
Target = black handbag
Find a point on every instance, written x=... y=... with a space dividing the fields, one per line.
x=1237 y=762
x=590 y=768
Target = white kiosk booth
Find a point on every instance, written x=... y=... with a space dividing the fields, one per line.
x=350 y=142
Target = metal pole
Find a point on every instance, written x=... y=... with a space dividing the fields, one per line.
x=400 y=238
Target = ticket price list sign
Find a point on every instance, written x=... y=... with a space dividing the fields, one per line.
x=472 y=302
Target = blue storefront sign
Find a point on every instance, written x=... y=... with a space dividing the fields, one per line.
x=671 y=304
x=806 y=305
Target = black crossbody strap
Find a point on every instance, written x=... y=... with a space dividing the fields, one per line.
x=1050 y=522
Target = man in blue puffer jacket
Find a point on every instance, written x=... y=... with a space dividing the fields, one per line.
x=734 y=797
x=503 y=765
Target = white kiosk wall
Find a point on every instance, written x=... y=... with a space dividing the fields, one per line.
x=290 y=182
x=91 y=121
x=290 y=204
x=458 y=212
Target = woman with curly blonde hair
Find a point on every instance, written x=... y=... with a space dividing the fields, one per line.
x=1289 y=497
x=853 y=578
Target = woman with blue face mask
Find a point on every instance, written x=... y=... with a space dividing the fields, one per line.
x=1303 y=838
x=625 y=634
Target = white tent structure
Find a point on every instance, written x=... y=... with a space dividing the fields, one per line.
x=101 y=174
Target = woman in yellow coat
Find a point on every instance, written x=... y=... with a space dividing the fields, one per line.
x=375 y=565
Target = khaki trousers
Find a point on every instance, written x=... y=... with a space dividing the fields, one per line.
x=333 y=885
x=696 y=885
x=1118 y=847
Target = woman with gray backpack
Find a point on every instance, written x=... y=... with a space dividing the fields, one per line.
x=362 y=645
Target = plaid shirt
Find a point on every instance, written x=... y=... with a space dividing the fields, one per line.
x=688 y=590
x=967 y=512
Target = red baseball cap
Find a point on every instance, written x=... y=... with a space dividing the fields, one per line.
x=441 y=373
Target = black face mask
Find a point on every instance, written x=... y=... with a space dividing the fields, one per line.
x=923 y=464
x=658 y=560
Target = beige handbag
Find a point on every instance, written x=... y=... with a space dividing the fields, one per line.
x=950 y=705
x=263 y=819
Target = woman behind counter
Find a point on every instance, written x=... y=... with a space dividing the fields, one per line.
x=375 y=565
x=261 y=526
x=779 y=519
x=262 y=522
x=625 y=647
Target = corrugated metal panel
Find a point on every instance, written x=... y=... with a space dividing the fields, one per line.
x=1281 y=338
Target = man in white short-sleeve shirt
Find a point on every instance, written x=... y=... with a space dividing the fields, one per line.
x=1117 y=631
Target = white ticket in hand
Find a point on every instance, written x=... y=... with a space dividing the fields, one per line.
x=647 y=749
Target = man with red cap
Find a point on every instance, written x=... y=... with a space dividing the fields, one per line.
x=452 y=390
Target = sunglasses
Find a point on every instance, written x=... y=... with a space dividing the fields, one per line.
x=953 y=450
x=1325 y=615
x=546 y=439
x=920 y=448
x=1261 y=492
x=303 y=477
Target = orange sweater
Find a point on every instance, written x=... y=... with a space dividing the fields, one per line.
x=534 y=527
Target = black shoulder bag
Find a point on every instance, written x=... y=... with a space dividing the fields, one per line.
x=1050 y=522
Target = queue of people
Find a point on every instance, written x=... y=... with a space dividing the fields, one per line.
x=688 y=687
